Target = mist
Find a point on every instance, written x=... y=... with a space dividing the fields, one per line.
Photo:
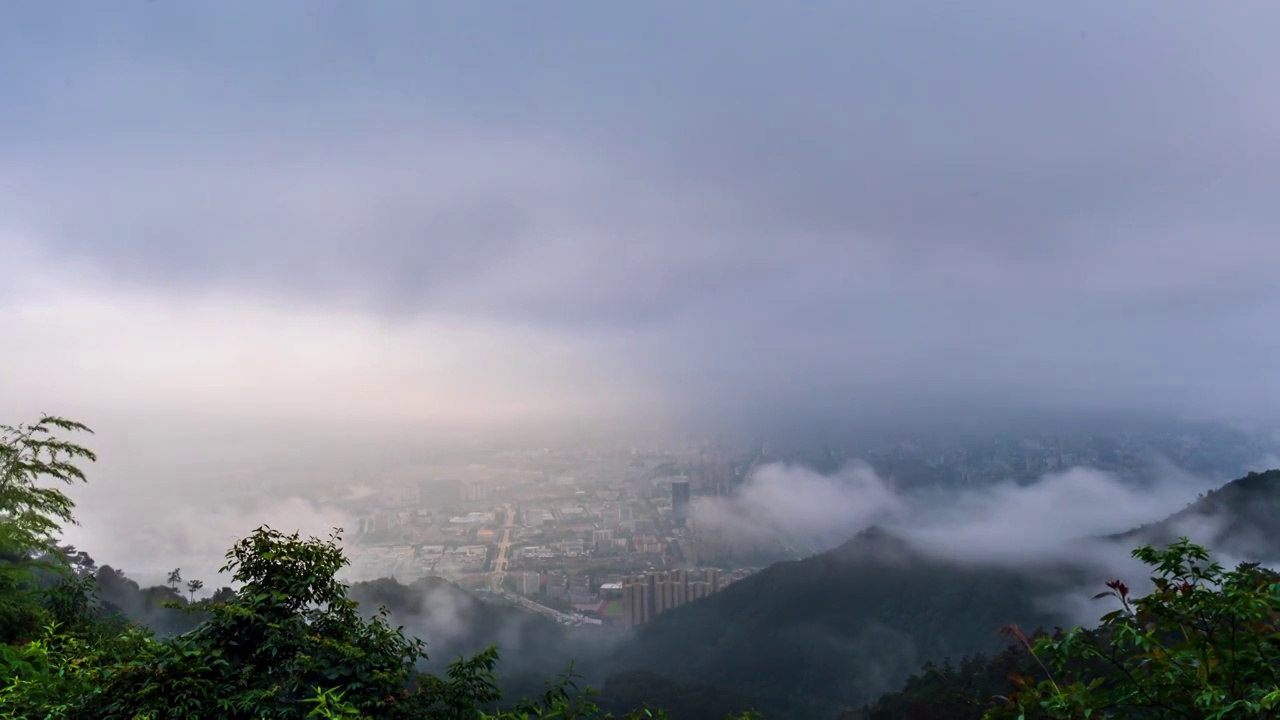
x=1061 y=525
x=188 y=533
x=1004 y=523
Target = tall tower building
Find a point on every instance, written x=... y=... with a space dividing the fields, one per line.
x=635 y=600
x=699 y=590
x=679 y=587
x=531 y=583
x=712 y=577
x=680 y=501
x=646 y=596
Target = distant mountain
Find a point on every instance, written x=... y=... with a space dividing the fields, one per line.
x=809 y=637
x=1240 y=520
x=805 y=639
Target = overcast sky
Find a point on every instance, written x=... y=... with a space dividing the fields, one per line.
x=499 y=213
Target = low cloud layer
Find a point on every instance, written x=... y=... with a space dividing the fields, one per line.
x=1061 y=520
x=1004 y=523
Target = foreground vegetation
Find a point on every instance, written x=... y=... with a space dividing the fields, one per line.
x=1204 y=645
x=289 y=642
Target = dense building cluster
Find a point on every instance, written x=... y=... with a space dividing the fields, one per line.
x=647 y=596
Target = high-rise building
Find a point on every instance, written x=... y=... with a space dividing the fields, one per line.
x=680 y=501
x=680 y=587
x=557 y=585
x=474 y=491
x=699 y=590
x=644 y=597
x=580 y=588
x=602 y=540
x=635 y=601
x=532 y=583
x=712 y=577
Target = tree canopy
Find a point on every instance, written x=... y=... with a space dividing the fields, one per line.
x=31 y=513
x=1204 y=644
x=288 y=644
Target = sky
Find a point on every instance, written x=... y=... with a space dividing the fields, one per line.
x=468 y=216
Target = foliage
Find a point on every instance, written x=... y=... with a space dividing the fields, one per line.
x=950 y=691
x=1204 y=644
x=31 y=513
x=289 y=630
x=289 y=643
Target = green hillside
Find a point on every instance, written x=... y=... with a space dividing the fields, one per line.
x=1240 y=518
x=1245 y=515
x=836 y=630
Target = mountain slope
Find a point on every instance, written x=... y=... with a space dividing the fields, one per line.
x=1240 y=519
x=838 y=628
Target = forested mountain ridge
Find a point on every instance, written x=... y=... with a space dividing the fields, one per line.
x=840 y=628
x=1241 y=518
x=808 y=637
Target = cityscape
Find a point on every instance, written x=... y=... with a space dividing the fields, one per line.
x=611 y=538
x=594 y=542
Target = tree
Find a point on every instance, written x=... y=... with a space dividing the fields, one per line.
x=193 y=587
x=288 y=644
x=1202 y=645
x=175 y=579
x=31 y=513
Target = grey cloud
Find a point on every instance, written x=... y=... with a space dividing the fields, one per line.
x=847 y=205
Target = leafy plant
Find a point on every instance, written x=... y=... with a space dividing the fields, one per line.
x=1204 y=644
x=31 y=513
x=288 y=644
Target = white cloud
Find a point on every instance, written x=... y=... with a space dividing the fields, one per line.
x=1002 y=523
x=83 y=347
x=148 y=536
